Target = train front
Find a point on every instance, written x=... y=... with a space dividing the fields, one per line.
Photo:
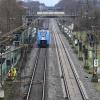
x=43 y=38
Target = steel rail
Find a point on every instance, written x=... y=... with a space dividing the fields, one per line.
x=44 y=79
x=79 y=83
x=64 y=80
x=33 y=75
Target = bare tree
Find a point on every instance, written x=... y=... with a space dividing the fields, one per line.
x=88 y=11
x=10 y=15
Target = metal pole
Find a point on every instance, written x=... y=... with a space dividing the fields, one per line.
x=93 y=61
x=96 y=44
x=93 y=52
x=94 y=77
x=1 y=68
x=96 y=51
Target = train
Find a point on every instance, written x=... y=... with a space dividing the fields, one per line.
x=43 y=38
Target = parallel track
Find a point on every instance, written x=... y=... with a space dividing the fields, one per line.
x=38 y=77
x=62 y=70
x=70 y=70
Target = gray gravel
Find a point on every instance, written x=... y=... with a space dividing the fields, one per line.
x=53 y=80
x=37 y=86
x=84 y=77
x=30 y=62
x=26 y=73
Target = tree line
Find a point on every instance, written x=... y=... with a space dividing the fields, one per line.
x=10 y=15
x=87 y=12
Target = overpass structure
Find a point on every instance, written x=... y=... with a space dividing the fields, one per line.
x=50 y=14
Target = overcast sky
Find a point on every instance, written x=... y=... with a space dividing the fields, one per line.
x=47 y=2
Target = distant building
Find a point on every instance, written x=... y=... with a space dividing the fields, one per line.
x=42 y=7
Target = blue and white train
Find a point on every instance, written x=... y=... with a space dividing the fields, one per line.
x=43 y=38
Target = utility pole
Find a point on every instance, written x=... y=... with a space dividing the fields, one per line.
x=1 y=66
x=87 y=22
x=95 y=47
x=84 y=15
x=95 y=59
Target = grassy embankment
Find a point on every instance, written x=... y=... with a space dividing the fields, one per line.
x=90 y=56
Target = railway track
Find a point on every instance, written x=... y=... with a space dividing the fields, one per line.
x=74 y=89
x=37 y=86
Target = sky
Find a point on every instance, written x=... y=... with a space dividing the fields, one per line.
x=47 y=2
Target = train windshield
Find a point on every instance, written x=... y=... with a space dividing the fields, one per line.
x=43 y=34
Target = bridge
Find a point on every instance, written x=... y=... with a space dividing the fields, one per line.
x=50 y=14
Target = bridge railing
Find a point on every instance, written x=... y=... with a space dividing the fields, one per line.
x=50 y=13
